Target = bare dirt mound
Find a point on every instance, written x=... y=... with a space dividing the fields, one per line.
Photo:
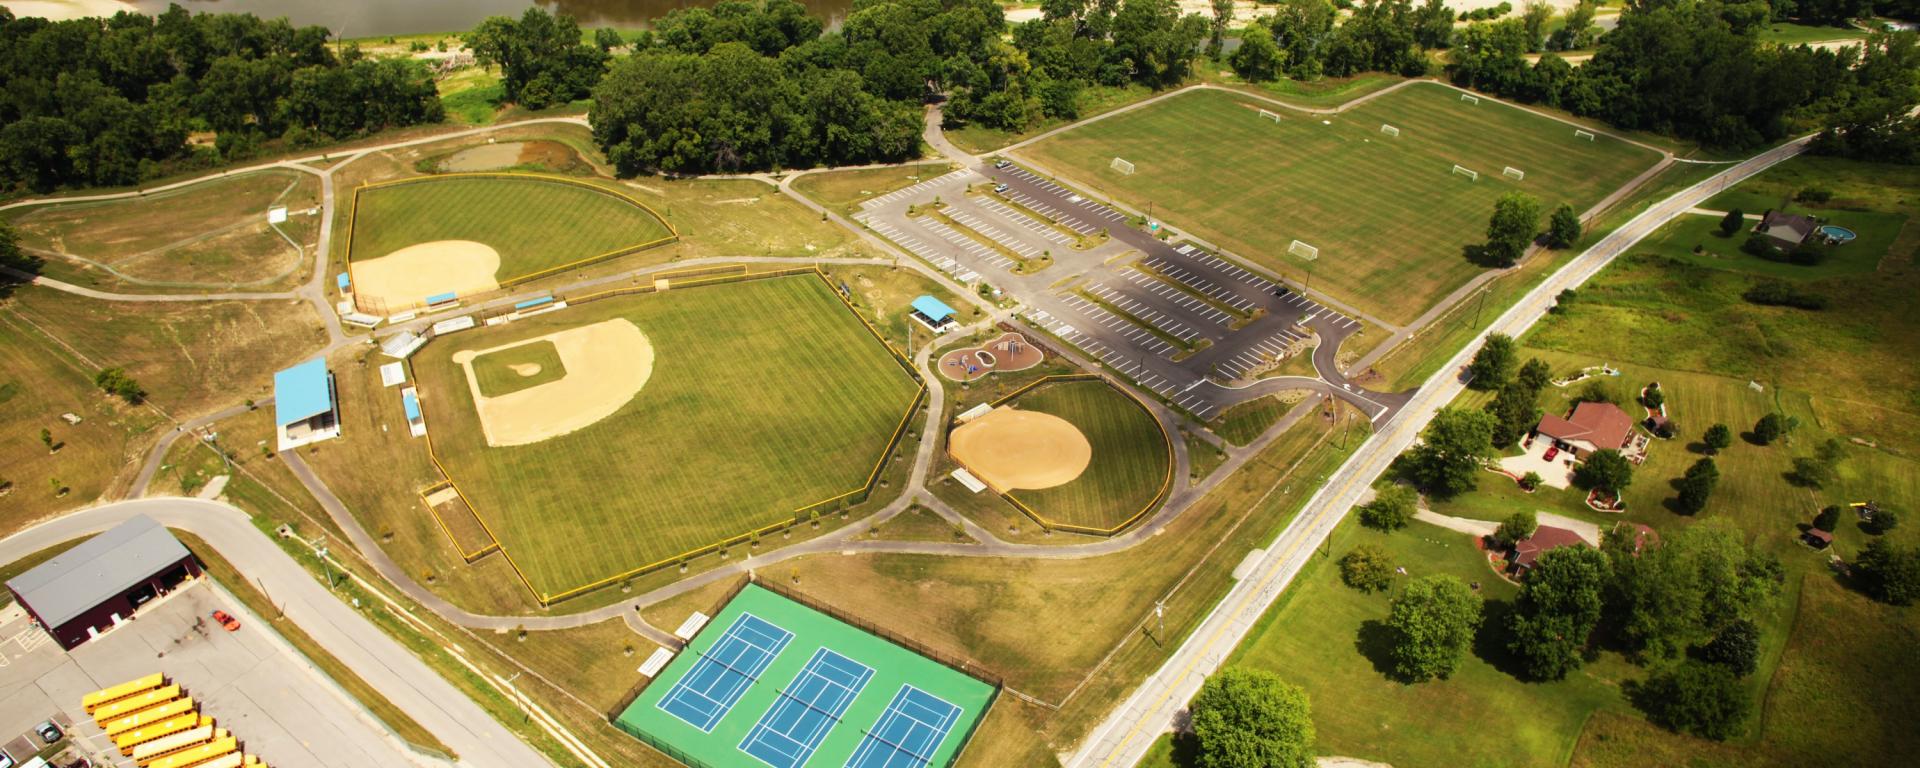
x=1011 y=449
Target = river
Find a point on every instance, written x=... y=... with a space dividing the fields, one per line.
x=378 y=18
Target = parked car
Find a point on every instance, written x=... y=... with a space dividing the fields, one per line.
x=1001 y=163
x=1000 y=188
x=6 y=760
x=1552 y=451
x=226 y=620
x=49 y=733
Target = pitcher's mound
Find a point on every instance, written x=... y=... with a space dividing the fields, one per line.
x=406 y=277
x=1012 y=449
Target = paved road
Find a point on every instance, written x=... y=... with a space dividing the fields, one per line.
x=406 y=681
x=1131 y=728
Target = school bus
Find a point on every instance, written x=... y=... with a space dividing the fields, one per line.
x=196 y=755
x=131 y=704
x=148 y=716
x=128 y=740
x=111 y=694
x=228 y=760
x=159 y=748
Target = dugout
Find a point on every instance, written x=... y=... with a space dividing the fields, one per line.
x=304 y=407
x=933 y=313
x=103 y=582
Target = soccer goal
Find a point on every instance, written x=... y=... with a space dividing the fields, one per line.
x=1469 y=98
x=1303 y=250
x=1122 y=166
x=1389 y=130
x=1580 y=134
x=1269 y=115
x=1514 y=173
x=1471 y=175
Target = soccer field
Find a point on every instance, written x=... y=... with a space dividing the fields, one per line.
x=535 y=223
x=764 y=396
x=1130 y=463
x=1388 y=214
x=772 y=682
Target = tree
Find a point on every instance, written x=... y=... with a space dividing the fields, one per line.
x=1883 y=520
x=116 y=382
x=1390 y=509
x=1519 y=525
x=1367 y=568
x=1515 y=222
x=1447 y=460
x=607 y=39
x=1705 y=700
x=1560 y=602
x=1432 y=622
x=1530 y=480
x=1769 y=428
x=1652 y=397
x=1697 y=485
x=1818 y=470
x=1889 y=572
x=1683 y=591
x=1535 y=375
x=1493 y=365
x=1828 y=519
x=1514 y=413
x=1249 y=717
x=46 y=438
x=543 y=61
x=1717 y=438
x=1733 y=222
x=1563 y=227
x=1605 y=470
x=1258 y=59
x=1222 y=17
x=1736 y=647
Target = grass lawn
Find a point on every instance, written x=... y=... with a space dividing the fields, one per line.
x=595 y=662
x=1324 y=92
x=802 y=394
x=472 y=95
x=497 y=375
x=883 y=296
x=1131 y=457
x=843 y=191
x=1679 y=238
x=1244 y=423
x=536 y=224
x=1790 y=34
x=1391 y=246
x=211 y=235
x=979 y=139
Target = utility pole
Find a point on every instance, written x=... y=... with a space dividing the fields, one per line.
x=1482 y=305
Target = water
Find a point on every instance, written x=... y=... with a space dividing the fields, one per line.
x=379 y=18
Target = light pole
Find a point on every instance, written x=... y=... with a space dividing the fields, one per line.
x=322 y=553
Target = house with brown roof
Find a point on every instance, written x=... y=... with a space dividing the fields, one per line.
x=1527 y=551
x=1592 y=427
x=1787 y=230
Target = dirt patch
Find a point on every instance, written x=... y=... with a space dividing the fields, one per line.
x=406 y=277
x=1011 y=449
x=607 y=363
x=1010 y=352
x=486 y=157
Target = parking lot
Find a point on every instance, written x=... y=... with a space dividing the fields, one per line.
x=250 y=682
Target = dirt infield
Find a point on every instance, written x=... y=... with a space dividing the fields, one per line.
x=1011 y=449
x=409 y=275
x=606 y=365
x=1010 y=352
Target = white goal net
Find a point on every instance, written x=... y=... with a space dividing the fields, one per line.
x=1122 y=166
x=1469 y=98
x=1389 y=130
x=1514 y=173
x=1303 y=250
x=1269 y=115
x=1469 y=173
x=1580 y=134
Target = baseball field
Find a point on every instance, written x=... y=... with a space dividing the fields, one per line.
x=680 y=419
x=1388 y=214
x=1079 y=453
x=468 y=233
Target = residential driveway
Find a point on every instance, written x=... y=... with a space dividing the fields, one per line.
x=1464 y=525
x=1557 y=473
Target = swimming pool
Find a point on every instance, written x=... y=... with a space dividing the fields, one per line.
x=1836 y=234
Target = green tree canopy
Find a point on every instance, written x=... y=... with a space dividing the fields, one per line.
x=1889 y=572
x=1685 y=590
x=1250 y=717
x=1717 y=438
x=1517 y=527
x=1432 y=623
x=1736 y=647
x=1367 y=568
x=1697 y=486
x=1493 y=364
x=1606 y=470
x=1563 y=227
x=1560 y=602
x=1452 y=447
x=1392 y=506
x=1515 y=222
x=1705 y=700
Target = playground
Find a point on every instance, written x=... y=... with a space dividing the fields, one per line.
x=1010 y=352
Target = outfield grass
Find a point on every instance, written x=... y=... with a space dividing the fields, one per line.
x=495 y=375
x=1388 y=215
x=210 y=235
x=1130 y=455
x=535 y=224
x=766 y=396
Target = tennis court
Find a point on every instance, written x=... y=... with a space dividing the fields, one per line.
x=787 y=686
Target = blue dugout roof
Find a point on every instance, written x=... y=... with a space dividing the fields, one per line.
x=301 y=392
x=410 y=403
x=934 y=309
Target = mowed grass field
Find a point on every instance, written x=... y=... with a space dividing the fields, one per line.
x=765 y=396
x=1130 y=455
x=1389 y=216
x=536 y=224
x=496 y=375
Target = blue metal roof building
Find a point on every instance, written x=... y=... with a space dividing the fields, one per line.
x=933 y=313
x=303 y=404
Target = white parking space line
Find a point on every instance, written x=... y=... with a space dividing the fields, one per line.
x=1180 y=298
x=1145 y=313
x=966 y=244
x=994 y=233
x=1023 y=221
x=960 y=177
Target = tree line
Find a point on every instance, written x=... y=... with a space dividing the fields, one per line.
x=112 y=101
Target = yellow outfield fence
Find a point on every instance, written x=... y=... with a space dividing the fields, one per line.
x=678 y=279
x=353 y=220
x=491 y=545
x=1166 y=441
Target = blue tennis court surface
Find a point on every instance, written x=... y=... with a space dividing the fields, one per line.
x=806 y=710
x=724 y=673
x=907 y=733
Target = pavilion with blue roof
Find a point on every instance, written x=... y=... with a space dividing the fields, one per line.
x=933 y=313
x=304 y=407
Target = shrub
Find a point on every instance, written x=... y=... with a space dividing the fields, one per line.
x=1736 y=647
x=1889 y=572
x=1828 y=519
x=1813 y=195
x=1769 y=428
x=1367 y=568
x=1732 y=222
x=1390 y=509
x=1517 y=526
x=1883 y=520
x=116 y=382
x=1705 y=700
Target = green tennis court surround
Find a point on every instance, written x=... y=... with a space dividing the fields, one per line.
x=772 y=682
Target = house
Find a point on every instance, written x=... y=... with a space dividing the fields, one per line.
x=104 y=581
x=1787 y=230
x=1528 y=550
x=1592 y=427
